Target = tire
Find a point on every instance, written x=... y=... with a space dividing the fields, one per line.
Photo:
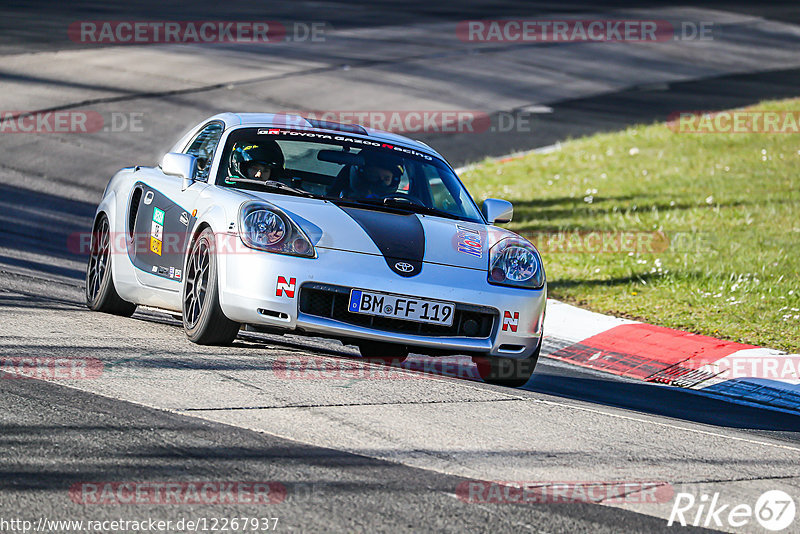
x=101 y=295
x=507 y=371
x=203 y=320
x=388 y=353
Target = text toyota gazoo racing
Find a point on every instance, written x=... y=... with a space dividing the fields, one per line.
x=323 y=229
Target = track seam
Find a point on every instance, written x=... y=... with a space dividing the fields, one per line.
x=344 y=405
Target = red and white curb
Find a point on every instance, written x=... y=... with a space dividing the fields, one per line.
x=745 y=373
x=734 y=371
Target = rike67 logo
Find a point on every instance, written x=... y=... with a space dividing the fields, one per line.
x=774 y=510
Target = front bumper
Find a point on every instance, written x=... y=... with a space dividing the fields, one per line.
x=263 y=289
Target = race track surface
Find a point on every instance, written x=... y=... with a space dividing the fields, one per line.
x=389 y=449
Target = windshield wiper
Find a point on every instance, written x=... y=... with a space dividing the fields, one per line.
x=274 y=185
x=402 y=204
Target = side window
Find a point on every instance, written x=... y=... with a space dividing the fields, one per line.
x=203 y=146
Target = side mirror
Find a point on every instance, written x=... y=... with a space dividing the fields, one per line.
x=497 y=211
x=183 y=166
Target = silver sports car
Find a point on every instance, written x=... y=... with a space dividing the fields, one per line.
x=289 y=225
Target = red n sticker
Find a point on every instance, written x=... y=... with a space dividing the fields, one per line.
x=285 y=287
x=510 y=322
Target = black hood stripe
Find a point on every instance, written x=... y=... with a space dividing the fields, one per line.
x=399 y=237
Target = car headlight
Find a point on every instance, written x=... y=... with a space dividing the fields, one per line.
x=263 y=226
x=515 y=262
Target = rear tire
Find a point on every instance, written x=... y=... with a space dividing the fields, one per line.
x=203 y=320
x=101 y=295
x=388 y=353
x=507 y=371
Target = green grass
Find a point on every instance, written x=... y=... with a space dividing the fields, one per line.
x=729 y=204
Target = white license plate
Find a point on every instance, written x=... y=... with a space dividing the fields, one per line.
x=402 y=307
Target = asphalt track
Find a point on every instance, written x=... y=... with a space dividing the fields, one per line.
x=381 y=453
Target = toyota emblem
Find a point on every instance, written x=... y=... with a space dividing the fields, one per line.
x=403 y=267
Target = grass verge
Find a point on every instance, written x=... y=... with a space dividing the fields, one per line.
x=699 y=232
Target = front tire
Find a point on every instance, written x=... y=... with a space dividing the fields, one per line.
x=507 y=371
x=101 y=295
x=203 y=320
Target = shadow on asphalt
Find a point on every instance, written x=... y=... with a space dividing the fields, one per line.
x=576 y=384
x=41 y=231
x=655 y=399
x=61 y=438
x=677 y=403
x=319 y=356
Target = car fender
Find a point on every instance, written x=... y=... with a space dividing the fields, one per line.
x=213 y=216
x=121 y=271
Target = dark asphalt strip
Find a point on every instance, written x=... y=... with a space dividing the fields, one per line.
x=569 y=118
x=53 y=437
x=38 y=25
x=569 y=382
x=552 y=377
x=613 y=111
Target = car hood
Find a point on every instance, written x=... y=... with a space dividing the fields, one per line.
x=399 y=237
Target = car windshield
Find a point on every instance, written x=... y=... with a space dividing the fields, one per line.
x=343 y=169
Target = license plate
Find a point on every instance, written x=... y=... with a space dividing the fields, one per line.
x=402 y=307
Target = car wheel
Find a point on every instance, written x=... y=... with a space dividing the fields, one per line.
x=101 y=295
x=203 y=320
x=506 y=371
x=388 y=353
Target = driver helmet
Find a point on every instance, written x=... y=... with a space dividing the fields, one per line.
x=250 y=161
x=380 y=174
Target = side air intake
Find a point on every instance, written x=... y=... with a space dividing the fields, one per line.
x=133 y=209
